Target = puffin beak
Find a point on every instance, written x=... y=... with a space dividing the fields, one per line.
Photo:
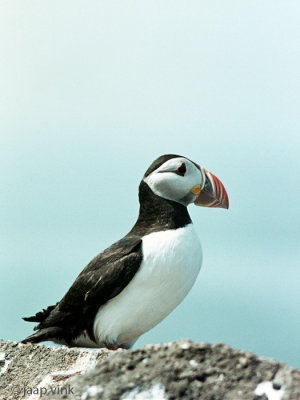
x=211 y=193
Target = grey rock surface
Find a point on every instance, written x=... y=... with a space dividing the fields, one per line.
x=179 y=370
x=25 y=369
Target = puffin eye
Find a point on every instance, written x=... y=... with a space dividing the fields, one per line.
x=181 y=170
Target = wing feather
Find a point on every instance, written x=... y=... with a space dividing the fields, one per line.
x=101 y=280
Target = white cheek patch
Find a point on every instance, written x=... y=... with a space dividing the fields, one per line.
x=166 y=183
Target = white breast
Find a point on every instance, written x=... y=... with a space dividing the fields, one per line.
x=171 y=263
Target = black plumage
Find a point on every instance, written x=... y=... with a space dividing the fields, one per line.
x=109 y=272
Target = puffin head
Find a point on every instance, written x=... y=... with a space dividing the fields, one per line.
x=179 y=179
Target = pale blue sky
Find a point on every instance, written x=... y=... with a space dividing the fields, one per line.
x=92 y=92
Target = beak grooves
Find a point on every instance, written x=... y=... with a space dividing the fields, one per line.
x=213 y=193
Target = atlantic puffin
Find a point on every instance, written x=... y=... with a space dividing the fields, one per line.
x=136 y=282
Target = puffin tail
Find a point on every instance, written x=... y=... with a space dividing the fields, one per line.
x=44 y=333
x=53 y=333
x=40 y=316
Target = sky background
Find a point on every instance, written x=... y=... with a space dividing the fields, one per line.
x=92 y=92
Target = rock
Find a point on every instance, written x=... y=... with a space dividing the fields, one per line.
x=28 y=368
x=179 y=370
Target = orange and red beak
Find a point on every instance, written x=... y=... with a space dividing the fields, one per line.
x=212 y=192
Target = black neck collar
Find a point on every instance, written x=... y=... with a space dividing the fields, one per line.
x=158 y=214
